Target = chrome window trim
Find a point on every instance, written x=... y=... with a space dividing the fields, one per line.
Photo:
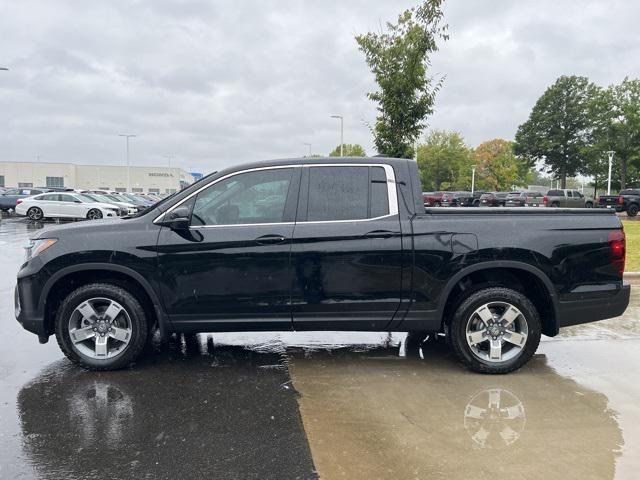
x=392 y=195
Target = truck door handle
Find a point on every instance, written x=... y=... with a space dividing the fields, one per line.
x=270 y=239
x=381 y=234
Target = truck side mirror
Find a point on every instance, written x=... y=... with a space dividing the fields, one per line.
x=178 y=219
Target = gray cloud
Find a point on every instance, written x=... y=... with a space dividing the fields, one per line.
x=217 y=83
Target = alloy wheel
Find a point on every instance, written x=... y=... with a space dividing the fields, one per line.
x=34 y=213
x=100 y=328
x=497 y=332
x=94 y=214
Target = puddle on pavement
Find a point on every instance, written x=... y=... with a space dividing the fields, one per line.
x=367 y=416
x=188 y=410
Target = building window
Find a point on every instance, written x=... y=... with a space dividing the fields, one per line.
x=120 y=189
x=170 y=190
x=154 y=190
x=25 y=185
x=1 y=180
x=136 y=190
x=55 y=182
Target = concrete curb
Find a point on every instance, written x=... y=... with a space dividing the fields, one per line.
x=633 y=278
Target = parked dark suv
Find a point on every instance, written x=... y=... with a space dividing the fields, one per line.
x=322 y=244
x=9 y=199
x=493 y=199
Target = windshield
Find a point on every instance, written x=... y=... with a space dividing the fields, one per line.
x=161 y=202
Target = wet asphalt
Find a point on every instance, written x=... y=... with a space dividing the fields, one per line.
x=308 y=405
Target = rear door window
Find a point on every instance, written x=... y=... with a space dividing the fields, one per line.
x=337 y=193
x=66 y=198
x=49 y=197
x=347 y=193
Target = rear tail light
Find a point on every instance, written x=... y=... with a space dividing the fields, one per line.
x=620 y=200
x=617 y=249
x=18 y=201
x=545 y=199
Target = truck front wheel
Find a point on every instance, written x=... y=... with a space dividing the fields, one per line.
x=494 y=330
x=632 y=210
x=101 y=326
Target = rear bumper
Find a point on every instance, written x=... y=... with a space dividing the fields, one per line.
x=591 y=306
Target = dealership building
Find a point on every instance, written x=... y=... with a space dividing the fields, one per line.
x=93 y=177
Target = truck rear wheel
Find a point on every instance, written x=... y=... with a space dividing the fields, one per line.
x=101 y=326
x=494 y=330
x=632 y=210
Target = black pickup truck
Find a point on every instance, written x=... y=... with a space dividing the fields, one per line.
x=322 y=244
x=626 y=201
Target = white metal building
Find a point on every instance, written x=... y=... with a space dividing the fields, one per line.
x=101 y=177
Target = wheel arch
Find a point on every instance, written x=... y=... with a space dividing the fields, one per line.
x=68 y=279
x=527 y=279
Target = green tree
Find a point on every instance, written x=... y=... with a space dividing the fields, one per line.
x=349 y=150
x=399 y=60
x=497 y=167
x=616 y=112
x=442 y=160
x=559 y=127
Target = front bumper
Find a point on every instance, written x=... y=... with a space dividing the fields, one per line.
x=590 y=306
x=28 y=316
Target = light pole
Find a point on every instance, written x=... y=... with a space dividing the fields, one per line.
x=127 y=136
x=473 y=179
x=308 y=145
x=611 y=153
x=169 y=157
x=341 y=133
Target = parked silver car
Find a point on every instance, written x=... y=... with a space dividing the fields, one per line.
x=567 y=198
x=524 y=199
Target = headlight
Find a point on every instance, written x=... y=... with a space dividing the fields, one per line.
x=36 y=247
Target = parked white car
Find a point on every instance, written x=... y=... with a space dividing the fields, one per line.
x=66 y=205
x=113 y=200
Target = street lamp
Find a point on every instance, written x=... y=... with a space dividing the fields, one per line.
x=611 y=153
x=341 y=133
x=473 y=179
x=127 y=136
x=169 y=157
x=308 y=145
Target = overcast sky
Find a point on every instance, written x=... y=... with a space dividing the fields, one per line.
x=217 y=83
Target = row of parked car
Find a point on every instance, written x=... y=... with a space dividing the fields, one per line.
x=566 y=198
x=41 y=203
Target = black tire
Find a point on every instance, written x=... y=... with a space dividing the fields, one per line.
x=139 y=327
x=555 y=205
x=437 y=204
x=35 y=214
x=632 y=210
x=94 y=214
x=588 y=205
x=456 y=330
